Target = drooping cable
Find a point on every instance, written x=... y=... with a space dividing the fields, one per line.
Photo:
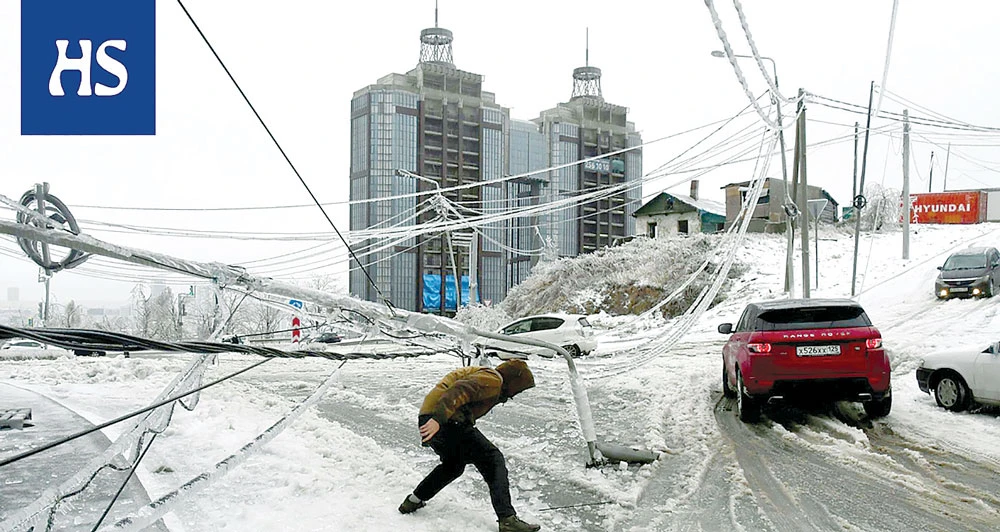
x=283 y=154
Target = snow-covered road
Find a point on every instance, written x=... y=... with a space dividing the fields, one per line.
x=347 y=464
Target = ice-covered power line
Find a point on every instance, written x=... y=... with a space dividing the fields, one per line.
x=888 y=55
x=727 y=47
x=772 y=83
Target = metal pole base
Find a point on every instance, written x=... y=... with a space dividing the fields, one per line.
x=611 y=453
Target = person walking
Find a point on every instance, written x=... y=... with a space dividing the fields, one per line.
x=447 y=424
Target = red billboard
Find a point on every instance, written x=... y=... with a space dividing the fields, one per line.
x=967 y=207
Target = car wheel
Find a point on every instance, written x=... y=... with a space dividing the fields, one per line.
x=747 y=407
x=878 y=408
x=574 y=350
x=727 y=391
x=952 y=393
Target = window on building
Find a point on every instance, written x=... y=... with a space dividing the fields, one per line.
x=651 y=230
x=682 y=227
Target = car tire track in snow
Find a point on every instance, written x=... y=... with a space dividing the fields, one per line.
x=814 y=472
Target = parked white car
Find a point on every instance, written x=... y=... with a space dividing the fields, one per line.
x=570 y=331
x=23 y=344
x=960 y=377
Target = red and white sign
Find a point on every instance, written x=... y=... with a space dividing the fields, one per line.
x=296 y=334
x=947 y=207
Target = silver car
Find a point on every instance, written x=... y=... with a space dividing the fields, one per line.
x=570 y=331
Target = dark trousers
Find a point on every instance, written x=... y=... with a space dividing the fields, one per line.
x=461 y=444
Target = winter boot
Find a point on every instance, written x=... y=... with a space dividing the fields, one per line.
x=408 y=506
x=513 y=524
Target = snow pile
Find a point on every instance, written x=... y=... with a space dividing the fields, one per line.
x=28 y=353
x=626 y=279
x=482 y=317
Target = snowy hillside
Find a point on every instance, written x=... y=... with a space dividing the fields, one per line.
x=625 y=279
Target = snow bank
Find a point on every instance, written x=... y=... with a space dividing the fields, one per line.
x=626 y=279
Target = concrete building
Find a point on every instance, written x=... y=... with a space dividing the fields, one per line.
x=584 y=127
x=769 y=213
x=435 y=127
x=438 y=122
x=672 y=214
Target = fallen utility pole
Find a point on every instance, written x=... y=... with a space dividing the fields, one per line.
x=391 y=317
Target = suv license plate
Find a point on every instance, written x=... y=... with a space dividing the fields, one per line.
x=959 y=289
x=817 y=350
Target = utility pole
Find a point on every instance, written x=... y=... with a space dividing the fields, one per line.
x=854 y=188
x=789 y=261
x=859 y=199
x=803 y=199
x=796 y=155
x=474 y=269
x=444 y=275
x=454 y=271
x=947 y=158
x=930 y=180
x=906 y=183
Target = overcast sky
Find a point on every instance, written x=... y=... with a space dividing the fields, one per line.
x=300 y=61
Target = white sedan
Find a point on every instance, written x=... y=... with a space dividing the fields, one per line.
x=23 y=344
x=962 y=376
x=570 y=331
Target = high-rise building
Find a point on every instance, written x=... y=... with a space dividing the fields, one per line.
x=437 y=122
x=584 y=127
x=528 y=154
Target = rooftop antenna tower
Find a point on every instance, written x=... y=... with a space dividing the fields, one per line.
x=435 y=43
x=587 y=79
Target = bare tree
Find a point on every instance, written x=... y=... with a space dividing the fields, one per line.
x=141 y=314
x=164 y=321
x=884 y=208
x=263 y=318
x=71 y=315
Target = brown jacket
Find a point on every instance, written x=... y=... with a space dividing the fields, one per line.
x=467 y=394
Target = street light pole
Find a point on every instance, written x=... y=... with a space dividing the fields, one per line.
x=789 y=207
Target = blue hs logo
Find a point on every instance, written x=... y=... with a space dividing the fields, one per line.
x=88 y=67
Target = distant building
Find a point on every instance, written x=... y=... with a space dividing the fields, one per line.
x=769 y=213
x=435 y=127
x=438 y=122
x=584 y=127
x=670 y=214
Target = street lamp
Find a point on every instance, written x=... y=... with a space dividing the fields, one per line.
x=451 y=250
x=789 y=208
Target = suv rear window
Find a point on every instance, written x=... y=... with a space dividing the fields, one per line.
x=812 y=318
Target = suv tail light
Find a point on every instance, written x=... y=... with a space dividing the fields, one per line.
x=759 y=348
x=873 y=343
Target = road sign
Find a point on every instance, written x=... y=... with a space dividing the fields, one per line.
x=816 y=207
x=296 y=334
x=295 y=303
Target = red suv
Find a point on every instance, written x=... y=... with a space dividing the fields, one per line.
x=790 y=349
